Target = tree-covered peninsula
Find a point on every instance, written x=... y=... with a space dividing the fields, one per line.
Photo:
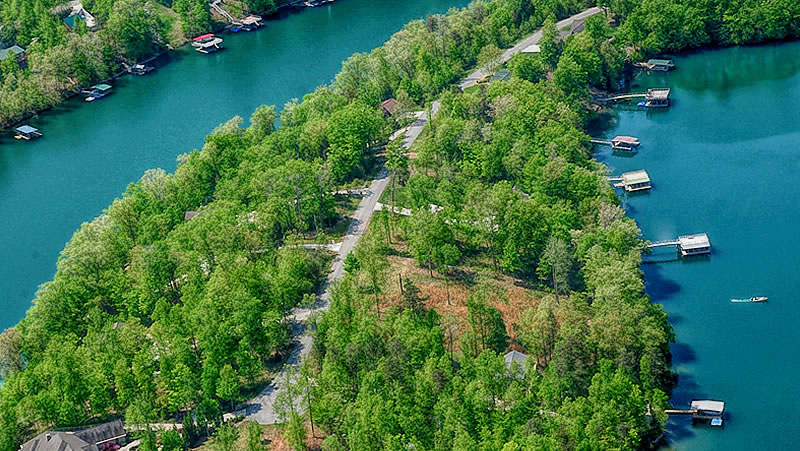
x=175 y=300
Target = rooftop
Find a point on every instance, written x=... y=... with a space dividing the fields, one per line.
x=250 y=20
x=626 y=140
x=658 y=93
x=660 y=62
x=708 y=405
x=13 y=50
x=101 y=87
x=501 y=75
x=27 y=129
x=514 y=356
x=82 y=440
x=696 y=241
x=388 y=105
x=635 y=177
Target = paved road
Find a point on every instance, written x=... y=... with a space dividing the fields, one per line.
x=472 y=79
x=260 y=408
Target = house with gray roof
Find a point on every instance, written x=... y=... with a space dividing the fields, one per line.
x=103 y=437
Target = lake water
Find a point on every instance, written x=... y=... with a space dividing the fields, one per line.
x=91 y=152
x=725 y=160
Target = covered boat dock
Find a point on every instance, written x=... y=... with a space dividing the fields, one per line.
x=207 y=43
x=97 y=92
x=634 y=181
x=657 y=98
x=688 y=245
x=27 y=133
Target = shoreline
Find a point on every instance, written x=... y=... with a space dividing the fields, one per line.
x=120 y=73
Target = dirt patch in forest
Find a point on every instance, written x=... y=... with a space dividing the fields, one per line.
x=514 y=297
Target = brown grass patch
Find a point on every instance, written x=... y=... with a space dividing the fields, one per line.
x=515 y=299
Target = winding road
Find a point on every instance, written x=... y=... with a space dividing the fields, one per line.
x=261 y=408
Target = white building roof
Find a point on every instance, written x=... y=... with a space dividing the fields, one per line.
x=696 y=241
x=515 y=356
x=708 y=405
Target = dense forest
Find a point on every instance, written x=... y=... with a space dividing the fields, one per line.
x=154 y=312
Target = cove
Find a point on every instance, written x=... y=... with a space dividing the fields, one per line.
x=724 y=160
x=91 y=152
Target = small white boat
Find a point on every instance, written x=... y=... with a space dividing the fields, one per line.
x=752 y=299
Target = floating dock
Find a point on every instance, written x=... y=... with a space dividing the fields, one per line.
x=702 y=410
x=688 y=245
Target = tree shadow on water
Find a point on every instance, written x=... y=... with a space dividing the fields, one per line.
x=657 y=286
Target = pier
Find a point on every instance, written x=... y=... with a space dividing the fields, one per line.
x=653 y=98
x=697 y=244
x=702 y=410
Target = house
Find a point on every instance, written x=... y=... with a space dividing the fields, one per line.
x=13 y=51
x=501 y=75
x=515 y=356
x=388 y=106
x=75 y=12
x=103 y=437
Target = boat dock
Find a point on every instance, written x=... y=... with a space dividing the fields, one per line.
x=702 y=410
x=688 y=245
x=662 y=65
x=632 y=181
x=27 y=133
x=207 y=43
x=626 y=143
x=653 y=98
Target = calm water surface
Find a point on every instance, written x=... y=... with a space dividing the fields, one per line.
x=92 y=151
x=725 y=160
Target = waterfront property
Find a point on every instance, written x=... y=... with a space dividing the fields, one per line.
x=207 y=43
x=27 y=133
x=688 y=245
x=634 y=181
x=97 y=92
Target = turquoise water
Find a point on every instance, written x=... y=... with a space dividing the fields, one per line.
x=725 y=160
x=90 y=152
